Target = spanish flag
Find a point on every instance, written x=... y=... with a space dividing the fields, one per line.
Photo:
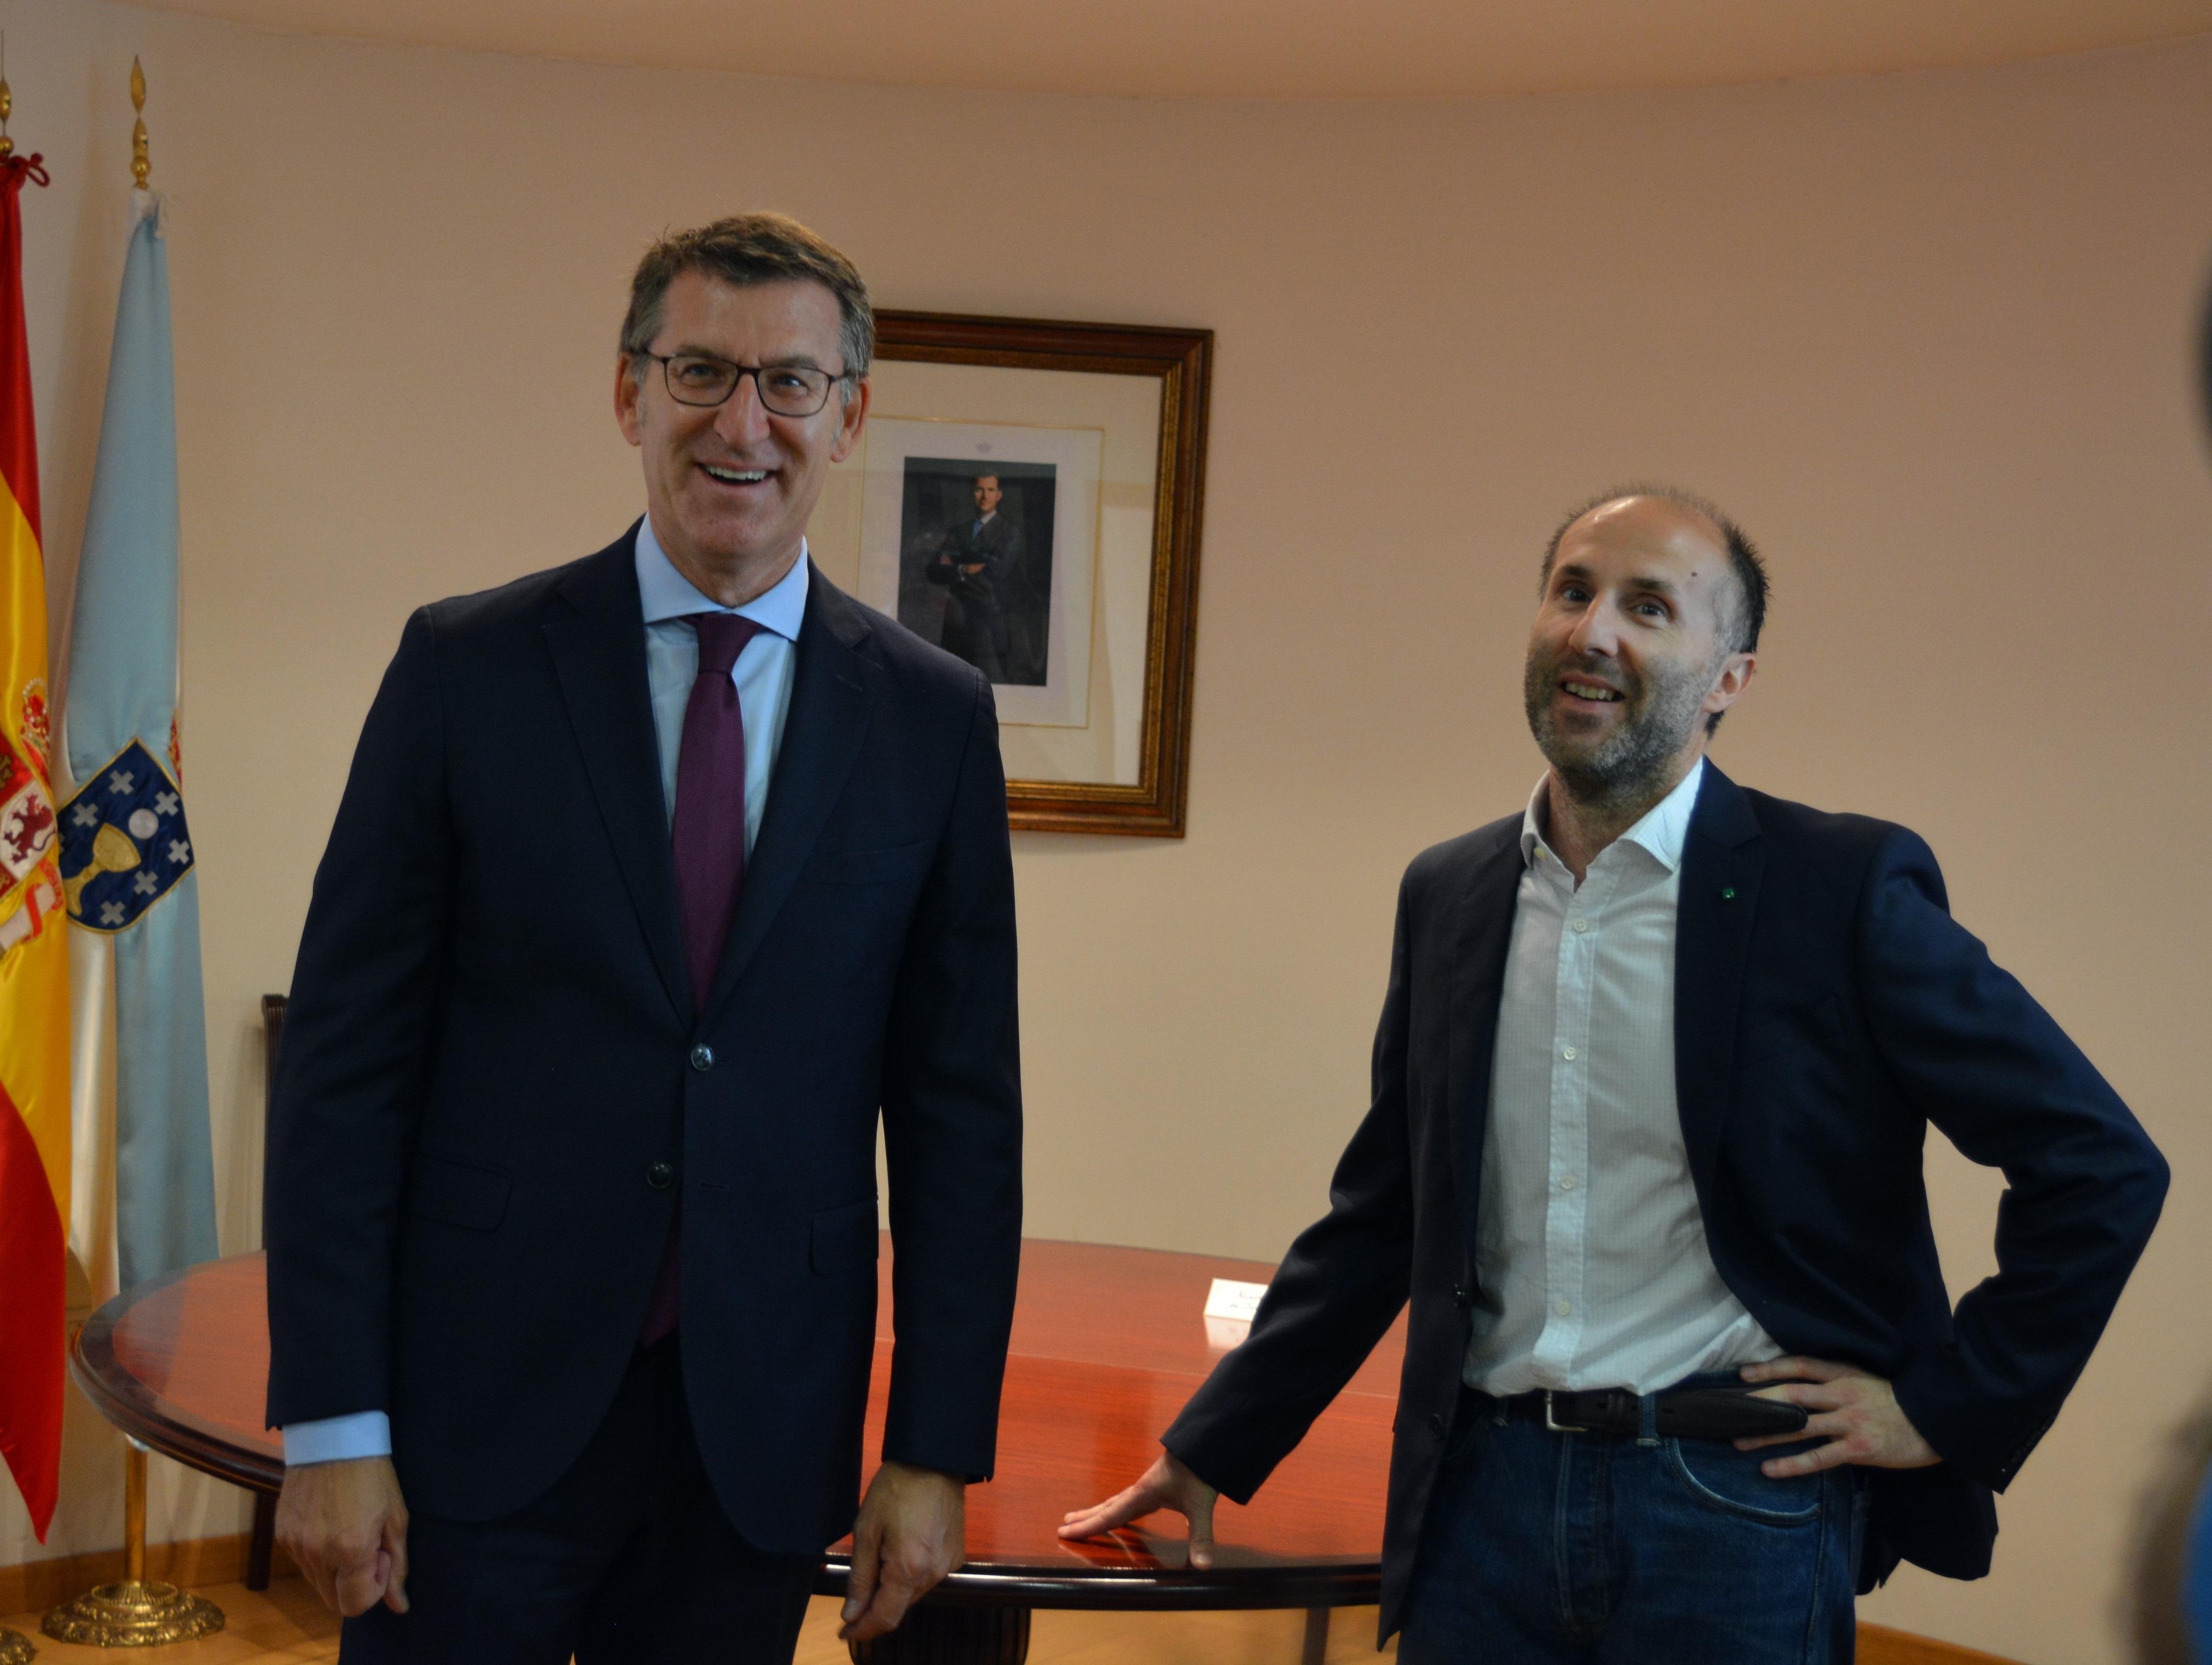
x=34 y=1036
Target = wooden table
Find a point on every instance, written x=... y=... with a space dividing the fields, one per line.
x=1108 y=1343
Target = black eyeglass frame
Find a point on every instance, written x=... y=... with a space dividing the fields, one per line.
x=744 y=370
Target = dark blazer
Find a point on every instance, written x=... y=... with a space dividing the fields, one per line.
x=997 y=547
x=1827 y=1009
x=495 y=1089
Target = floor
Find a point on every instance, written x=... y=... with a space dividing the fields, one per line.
x=285 y=1625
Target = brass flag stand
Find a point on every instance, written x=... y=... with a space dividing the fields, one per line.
x=136 y=1612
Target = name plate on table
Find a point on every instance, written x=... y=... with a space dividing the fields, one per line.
x=1230 y=1305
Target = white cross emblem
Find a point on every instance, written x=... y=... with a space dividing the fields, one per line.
x=146 y=884
x=111 y=913
x=86 y=815
x=179 y=852
x=121 y=782
x=165 y=803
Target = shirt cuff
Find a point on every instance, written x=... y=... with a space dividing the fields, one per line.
x=338 y=1438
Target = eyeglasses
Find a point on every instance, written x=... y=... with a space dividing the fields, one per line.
x=786 y=390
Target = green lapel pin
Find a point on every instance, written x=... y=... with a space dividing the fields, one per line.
x=1728 y=893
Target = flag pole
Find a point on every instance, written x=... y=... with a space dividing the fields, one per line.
x=15 y=1648
x=6 y=102
x=34 y=1027
x=142 y=163
x=137 y=1612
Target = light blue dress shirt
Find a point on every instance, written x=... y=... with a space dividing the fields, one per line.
x=763 y=673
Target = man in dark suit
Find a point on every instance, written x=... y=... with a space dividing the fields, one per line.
x=979 y=565
x=1655 y=1065
x=657 y=875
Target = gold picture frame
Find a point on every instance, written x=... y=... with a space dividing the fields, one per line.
x=1100 y=433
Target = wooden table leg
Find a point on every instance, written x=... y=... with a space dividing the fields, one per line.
x=262 y=1547
x=950 y=1635
x=1316 y=1648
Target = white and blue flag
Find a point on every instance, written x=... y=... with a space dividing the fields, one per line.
x=127 y=856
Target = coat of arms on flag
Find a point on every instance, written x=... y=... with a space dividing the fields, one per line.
x=124 y=842
x=27 y=830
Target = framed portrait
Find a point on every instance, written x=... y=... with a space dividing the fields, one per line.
x=1026 y=495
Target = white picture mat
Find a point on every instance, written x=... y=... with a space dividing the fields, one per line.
x=1127 y=409
x=1075 y=455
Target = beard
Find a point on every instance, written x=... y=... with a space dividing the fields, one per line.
x=1660 y=710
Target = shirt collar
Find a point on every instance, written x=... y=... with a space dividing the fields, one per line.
x=667 y=593
x=1661 y=833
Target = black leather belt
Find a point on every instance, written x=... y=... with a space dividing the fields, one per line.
x=1678 y=1412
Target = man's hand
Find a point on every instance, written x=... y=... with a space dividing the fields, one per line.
x=345 y=1524
x=912 y=1531
x=1166 y=1485
x=1858 y=1414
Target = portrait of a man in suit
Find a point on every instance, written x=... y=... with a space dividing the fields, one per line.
x=662 y=880
x=979 y=563
x=1658 y=1057
x=976 y=563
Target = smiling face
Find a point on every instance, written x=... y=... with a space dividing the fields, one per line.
x=986 y=494
x=730 y=487
x=1632 y=651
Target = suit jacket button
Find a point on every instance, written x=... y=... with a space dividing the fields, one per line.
x=1461 y=1298
x=1436 y=1426
x=703 y=1057
x=660 y=1176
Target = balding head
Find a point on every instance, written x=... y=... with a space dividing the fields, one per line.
x=1668 y=511
x=1632 y=657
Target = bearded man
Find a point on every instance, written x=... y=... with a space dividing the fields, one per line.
x=1655 y=1065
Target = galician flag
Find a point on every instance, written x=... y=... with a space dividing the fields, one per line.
x=127 y=854
x=34 y=1034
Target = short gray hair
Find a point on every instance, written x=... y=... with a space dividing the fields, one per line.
x=746 y=249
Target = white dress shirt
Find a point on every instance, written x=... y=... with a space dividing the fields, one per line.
x=1590 y=1257
x=763 y=673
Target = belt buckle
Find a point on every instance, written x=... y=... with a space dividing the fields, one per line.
x=1551 y=1419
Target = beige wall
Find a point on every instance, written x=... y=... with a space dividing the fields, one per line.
x=1928 y=336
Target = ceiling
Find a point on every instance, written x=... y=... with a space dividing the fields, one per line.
x=1252 y=48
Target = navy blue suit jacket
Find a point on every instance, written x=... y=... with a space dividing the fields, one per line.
x=494 y=1087
x=1827 y=1010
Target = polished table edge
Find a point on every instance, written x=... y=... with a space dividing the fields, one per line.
x=130 y=1406
x=1144 y=1590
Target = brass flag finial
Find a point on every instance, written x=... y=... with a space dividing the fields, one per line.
x=142 y=163
x=6 y=102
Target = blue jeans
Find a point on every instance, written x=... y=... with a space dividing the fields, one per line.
x=1543 y=1548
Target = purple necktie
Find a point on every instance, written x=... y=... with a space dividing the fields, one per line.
x=710 y=844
